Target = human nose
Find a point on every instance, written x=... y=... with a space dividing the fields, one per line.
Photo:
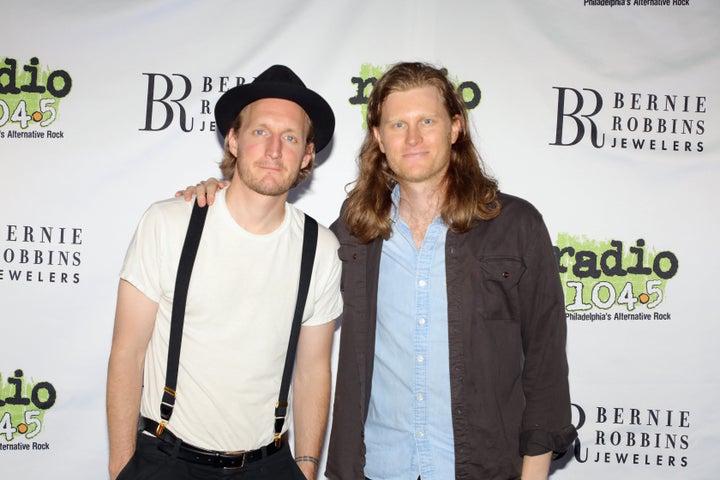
x=413 y=135
x=274 y=147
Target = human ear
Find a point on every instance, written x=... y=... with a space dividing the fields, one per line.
x=378 y=139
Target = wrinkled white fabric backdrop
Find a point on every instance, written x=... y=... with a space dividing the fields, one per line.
x=623 y=169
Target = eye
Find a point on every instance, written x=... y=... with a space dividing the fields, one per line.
x=291 y=138
x=259 y=132
x=398 y=124
x=427 y=121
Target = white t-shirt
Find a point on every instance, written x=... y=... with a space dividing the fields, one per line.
x=240 y=306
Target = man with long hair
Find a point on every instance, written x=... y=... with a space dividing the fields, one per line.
x=452 y=356
x=454 y=320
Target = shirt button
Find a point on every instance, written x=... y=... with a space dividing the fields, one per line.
x=420 y=358
x=420 y=397
x=422 y=283
x=421 y=321
x=420 y=433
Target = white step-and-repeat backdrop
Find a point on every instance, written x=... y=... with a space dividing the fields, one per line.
x=602 y=113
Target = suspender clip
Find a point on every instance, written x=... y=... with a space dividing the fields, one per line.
x=160 y=428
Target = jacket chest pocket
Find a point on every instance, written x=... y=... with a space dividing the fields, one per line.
x=353 y=267
x=353 y=284
x=495 y=286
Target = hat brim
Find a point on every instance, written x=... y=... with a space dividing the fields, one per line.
x=234 y=100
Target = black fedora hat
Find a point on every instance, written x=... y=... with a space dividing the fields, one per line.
x=277 y=81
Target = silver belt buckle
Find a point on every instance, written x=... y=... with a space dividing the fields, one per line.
x=242 y=464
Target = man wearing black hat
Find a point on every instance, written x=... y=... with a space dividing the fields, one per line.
x=215 y=408
x=452 y=356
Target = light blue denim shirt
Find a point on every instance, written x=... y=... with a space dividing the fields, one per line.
x=408 y=431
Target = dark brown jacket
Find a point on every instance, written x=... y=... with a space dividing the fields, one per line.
x=508 y=369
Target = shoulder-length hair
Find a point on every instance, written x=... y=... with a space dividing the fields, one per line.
x=470 y=194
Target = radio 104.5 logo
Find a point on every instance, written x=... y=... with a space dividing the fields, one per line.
x=23 y=404
x=629 y=278
x=31 y=93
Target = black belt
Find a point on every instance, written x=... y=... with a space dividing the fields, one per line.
x=210 y=458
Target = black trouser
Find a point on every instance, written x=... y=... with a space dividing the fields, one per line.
x=151 y=463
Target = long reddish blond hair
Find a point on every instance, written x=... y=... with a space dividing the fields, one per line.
x=470 y=194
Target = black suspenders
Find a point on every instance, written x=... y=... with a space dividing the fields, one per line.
x=182 y=280
x=306 y=264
